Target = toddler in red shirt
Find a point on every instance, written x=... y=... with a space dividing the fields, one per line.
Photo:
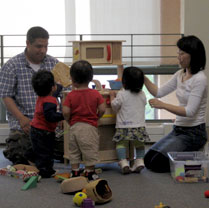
x=46 y=118
x=81 y=109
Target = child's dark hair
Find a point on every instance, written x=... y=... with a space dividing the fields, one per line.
x=133 y=79
x=81 y=72
x=42 y=82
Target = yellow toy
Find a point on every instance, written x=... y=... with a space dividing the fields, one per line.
x=78 y=198
x=161 y=205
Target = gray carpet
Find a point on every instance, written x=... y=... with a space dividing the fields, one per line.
x=143 y=190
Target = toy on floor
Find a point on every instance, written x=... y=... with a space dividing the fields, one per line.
x=161 y=205
x=62 y=176
x=19 y=171
x=26 y=168
x=72 y=185
x=78 y=198
x=206 y=194
x=98 y=190
x=87 y=203
x=31 y=183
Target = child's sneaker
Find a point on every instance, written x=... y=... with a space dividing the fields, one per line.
x=76 y=173
x=125 y=169
x=138 y=166
x=91 y=175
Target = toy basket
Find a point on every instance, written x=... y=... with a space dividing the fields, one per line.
x=189 y=166
x=115 y=85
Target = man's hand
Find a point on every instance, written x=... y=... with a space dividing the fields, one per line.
x=25 y=124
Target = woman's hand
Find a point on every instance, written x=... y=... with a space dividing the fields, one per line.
x=178 y=110
x=156 y=103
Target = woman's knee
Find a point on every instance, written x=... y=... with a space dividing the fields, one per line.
x=156 y=161
x=149 y=157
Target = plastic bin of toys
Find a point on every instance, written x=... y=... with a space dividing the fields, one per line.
x=189 y=166
x=115 y=84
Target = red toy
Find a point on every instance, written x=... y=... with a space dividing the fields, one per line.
x=206 y=194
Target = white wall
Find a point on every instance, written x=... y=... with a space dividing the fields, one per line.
x=18 y=16
x=196 y=22
x=108 y=16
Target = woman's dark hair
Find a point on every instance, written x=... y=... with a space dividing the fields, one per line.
x=81 y=72
x=133 y=79
x=193 y=46
x=36 y=32
x=42 y=82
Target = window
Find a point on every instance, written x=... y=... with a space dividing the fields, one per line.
x=150 y=113
x=150 y=29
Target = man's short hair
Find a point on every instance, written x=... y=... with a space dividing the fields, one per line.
x=36 y=32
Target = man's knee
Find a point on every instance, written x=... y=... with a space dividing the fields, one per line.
x=16 y=146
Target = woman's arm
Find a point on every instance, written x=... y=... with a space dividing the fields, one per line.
x=178 y=110
x=197 y=92
x=152 y=88
x=164 y=90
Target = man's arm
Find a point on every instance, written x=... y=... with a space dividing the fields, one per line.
x=13 y=109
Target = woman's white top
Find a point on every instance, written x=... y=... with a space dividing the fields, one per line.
x=130 y=109
x=192 y=94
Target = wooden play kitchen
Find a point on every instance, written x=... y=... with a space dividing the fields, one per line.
x=100 y=53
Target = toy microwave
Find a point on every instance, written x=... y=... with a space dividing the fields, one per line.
x=98 y=52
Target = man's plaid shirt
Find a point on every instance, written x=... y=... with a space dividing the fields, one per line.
x=15 y=82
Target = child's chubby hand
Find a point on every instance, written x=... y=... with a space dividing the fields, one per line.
x=156 y=103
x=60 y=124
x=112 y=93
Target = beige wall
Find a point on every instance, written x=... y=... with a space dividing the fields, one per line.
x=196 y=22
x=170 y=24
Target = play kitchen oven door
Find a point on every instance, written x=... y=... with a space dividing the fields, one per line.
x=96 y=52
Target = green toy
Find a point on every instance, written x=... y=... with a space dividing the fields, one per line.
x=31 y=183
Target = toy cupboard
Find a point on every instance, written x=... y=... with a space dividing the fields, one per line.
x=100 y=53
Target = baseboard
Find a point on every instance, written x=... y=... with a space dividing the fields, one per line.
x=158 y=131
x=155 y=131
x=4 y=132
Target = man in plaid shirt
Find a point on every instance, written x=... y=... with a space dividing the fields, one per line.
x=18 y=95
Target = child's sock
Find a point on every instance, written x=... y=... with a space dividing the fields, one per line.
x=140 y=153
x=90 y=174
x=76 y=172
x=121 y=148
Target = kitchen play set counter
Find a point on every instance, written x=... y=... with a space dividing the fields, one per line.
x=106 y=127
x=100 y=52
